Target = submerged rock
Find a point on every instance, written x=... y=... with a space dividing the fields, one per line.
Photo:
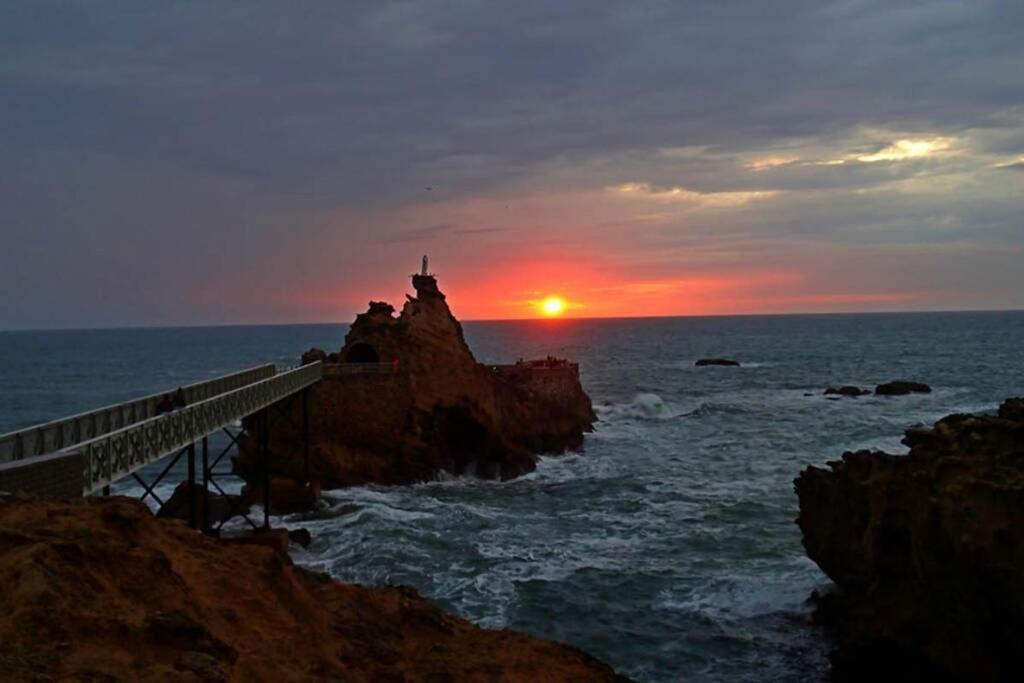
x=927 y=550
x=703 y=362
x=847 y=390
x=100 y=590
x=408 y=401
x=902 y=388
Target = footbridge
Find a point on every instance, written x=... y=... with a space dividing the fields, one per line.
x=84 y=454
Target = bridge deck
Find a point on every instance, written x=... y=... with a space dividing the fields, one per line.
x=67 y=431
x=115 y=454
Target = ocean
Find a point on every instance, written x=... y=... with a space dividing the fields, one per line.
x=667 y=548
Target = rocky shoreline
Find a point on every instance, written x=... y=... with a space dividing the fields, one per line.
x=99 y=589
x=926 y=551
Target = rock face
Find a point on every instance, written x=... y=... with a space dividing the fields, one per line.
x=927 y=550
x=704 y=362
x=902 y=388
x=408 y=400
x=100 y=590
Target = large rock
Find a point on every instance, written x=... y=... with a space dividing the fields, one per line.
x=927 y=550
x=100 y=590
x=409 y=401
x=902 y=388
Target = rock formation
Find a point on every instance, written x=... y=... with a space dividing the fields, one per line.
x=405 y=399
x=847 y=390
x=902 y=388
x=100 y=590
x=728 y=362
x=927 y=551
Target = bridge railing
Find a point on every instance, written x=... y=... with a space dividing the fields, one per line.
x=116 y=455
x=68 y=431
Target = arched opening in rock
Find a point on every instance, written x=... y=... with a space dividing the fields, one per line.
x=462 y=436
x=362 y=353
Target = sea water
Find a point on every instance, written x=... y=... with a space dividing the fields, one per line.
x=667 y=547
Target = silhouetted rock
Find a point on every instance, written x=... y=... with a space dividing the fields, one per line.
x=927 y=550
x=847 y=390
x=717 y=361
x=222 y=507
x=313 y=355
x=902 y=388
x=408 y=401
x=287 y=495
x=300 y=537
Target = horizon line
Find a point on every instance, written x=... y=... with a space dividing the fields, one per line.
x=515 y=320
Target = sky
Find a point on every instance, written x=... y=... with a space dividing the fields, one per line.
x=194 y=163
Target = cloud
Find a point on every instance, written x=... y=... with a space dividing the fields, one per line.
x=292 y=141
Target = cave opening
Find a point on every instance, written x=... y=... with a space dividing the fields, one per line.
x=362 y=353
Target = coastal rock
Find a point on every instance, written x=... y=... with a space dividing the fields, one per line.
x=222 y=507
x=926 y=549
x=287 y=495
x=728 y=362
x=100 y=590
x=902 y=388
x=409 y=401
x=847 y=390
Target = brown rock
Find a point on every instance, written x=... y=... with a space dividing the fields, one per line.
x=926 y=549
x=87 y=596
x=222 y=507
x=287 y=495
x=409 y=401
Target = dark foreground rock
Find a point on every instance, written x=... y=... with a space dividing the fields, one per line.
x=927 y=551
x=847 y=390
x=100 y=590
x=406 y=400
x=728 y=362
x=222 y=507
x=902 y=388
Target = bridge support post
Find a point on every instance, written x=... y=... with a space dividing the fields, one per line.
x=265 y=458
x=305 y=434
x=206 y=487
x=193 y=520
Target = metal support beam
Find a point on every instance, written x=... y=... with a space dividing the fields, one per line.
x=305 y=435
x=206 y=487
x=265 y=459
x=193 y=522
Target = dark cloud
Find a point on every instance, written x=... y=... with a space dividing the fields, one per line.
x=137 y=132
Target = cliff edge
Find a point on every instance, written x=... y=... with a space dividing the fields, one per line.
x=100 y=590
x=405 y=399
x=927 y=550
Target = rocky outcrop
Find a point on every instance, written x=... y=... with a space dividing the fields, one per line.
x=847 y=390
x=727 y=362
x=902 y=388
x=408 y=400
x=100 y=590
x=926 y=549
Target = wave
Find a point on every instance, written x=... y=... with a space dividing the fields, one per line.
x=644 y=406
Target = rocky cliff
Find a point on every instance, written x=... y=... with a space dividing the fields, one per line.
x=404 y=399
x=100 y=590
x=927 y=551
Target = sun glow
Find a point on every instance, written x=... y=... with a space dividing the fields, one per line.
x=552 y=306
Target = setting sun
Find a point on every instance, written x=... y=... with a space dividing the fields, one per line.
x=552 y=306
